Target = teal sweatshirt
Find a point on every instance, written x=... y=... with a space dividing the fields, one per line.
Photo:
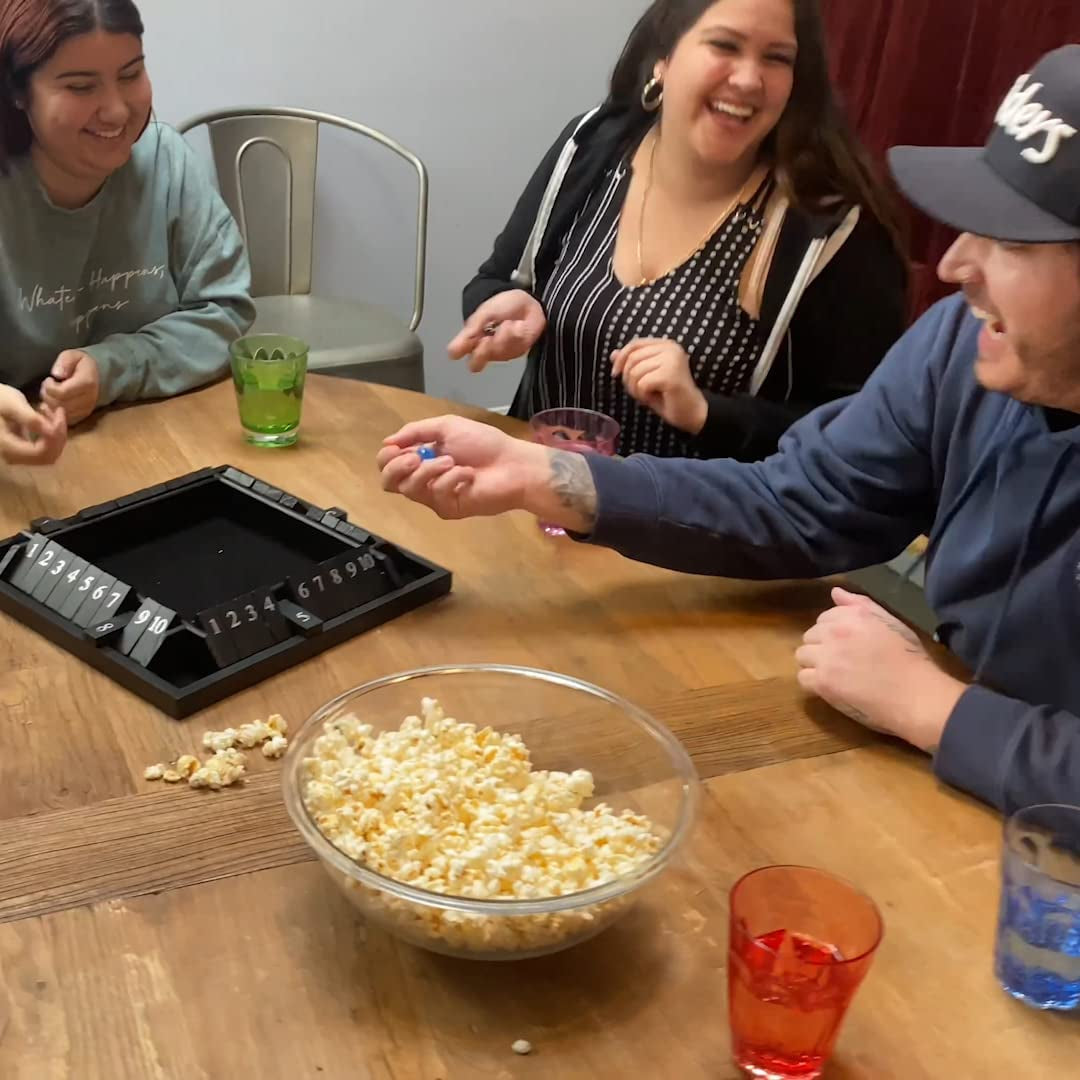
x=150 y=277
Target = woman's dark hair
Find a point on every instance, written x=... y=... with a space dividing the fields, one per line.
x=30 y=32
x=816 y=154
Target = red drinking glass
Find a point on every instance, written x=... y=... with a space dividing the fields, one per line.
x=801 y=942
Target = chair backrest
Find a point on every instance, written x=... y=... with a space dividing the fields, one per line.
x=294 y=134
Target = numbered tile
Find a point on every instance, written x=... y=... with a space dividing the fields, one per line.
x=309 y=593
x=238 y=477
x=354 y=532
x=153 y=636
x=92 y=598
x=239 y=620
x=54 y=575
x=267 y=490
x=218 y=639
x=307 y=622
x=112 y=601
x=88 y=581
x=64 y=588
x=384 y=556
x=373 y=582
x=9 y=559
x=46 y=525
x=45 y=558
x=135 y=629
x=271 y=617
x=348 y=573
x=340 y=590
x=103 y=633
x=253 y=634
x=30 y=551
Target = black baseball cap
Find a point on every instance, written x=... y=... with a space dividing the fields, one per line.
x=1024 y=185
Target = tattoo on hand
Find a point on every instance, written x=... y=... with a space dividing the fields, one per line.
x=912 y=644
x=572 y=481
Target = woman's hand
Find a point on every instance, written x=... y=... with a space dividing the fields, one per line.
x=73 y=385
x=503 y=328
x=657 y=373
x=29 y=436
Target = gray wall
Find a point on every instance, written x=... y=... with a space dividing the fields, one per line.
x=477 y=88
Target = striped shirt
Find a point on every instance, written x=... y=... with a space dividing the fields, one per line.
x=591 y=313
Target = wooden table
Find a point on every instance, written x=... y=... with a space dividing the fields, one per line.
x=155 y=932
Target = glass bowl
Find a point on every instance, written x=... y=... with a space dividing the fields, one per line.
x=567 y=725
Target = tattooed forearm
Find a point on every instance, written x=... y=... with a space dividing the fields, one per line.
x=572 y=482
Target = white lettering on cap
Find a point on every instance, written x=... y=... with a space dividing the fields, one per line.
x=1023 y=119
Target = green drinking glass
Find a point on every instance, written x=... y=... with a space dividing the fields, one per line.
x=268 y=372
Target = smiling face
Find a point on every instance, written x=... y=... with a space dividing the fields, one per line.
x=729 y=79
x=87 y=105
x=1028 y=297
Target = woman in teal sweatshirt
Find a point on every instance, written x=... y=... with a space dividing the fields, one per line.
x=123 y=275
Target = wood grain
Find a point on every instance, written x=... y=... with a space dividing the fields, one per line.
x=518 y=598
x=143 y=844
x=273 y=975
x=173 y=837
x=148 y=932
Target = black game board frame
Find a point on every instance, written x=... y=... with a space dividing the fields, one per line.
x=404 y=581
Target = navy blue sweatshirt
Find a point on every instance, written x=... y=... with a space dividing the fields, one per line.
x=921 y=449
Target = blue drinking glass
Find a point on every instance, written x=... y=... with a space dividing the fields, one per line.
x=1037 y=959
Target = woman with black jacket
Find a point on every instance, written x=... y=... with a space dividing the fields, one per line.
x=707 y=256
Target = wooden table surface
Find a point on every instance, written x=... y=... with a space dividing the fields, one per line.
x=156 y=932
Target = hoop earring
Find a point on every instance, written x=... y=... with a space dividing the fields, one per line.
x=653 y=95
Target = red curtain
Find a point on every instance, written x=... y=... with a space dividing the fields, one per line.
x=932 y=73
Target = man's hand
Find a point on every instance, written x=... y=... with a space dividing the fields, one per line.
x=29 y=436
x=657 y=373
x=515 y=320
x=874 y=669
x=478 y=471
x=73 y=385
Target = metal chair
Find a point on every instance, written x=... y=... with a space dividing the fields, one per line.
x=350 y=339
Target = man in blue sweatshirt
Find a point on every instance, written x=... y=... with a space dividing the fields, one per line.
x=969 y=432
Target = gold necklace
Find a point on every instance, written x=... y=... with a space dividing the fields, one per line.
x=641 y=222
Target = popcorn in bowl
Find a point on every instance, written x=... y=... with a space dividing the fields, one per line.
x=445 y=807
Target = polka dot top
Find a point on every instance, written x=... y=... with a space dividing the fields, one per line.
x=591 y=313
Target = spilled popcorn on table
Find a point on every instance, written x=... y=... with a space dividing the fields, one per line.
x=227 y=765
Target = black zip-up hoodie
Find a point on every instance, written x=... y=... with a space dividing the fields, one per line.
x=843 y=325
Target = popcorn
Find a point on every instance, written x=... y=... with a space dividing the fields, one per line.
x=457 y=810
x=225 y=768
x=220 y=740
x=522 y=1046
x=275 y=746
x=248 y=736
